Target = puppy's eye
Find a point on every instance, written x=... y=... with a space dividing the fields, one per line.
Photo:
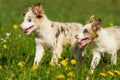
x=39 y=16
x=29 y=20
x=85 y=31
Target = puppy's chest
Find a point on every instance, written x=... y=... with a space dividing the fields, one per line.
x=46 y=37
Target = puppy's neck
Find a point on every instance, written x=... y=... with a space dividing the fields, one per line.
x=102 y=34
x=43 y=23
x=43 y=27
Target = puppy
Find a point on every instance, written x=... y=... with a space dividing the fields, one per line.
x=49 y=34
x=103 y=40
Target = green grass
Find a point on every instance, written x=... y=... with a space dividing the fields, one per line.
x=22 y=48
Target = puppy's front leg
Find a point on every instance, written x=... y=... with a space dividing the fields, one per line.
x=95 y=61
x=57 y=51
x=114 y=58
x=39 y=53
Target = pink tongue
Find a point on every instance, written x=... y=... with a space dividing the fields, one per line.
x=27 y=31
x=83 y=42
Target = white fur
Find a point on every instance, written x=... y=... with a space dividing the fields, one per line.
x=105 y=43
x=45 y=35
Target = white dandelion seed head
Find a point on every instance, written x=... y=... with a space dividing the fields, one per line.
x=8 y=34
x=19 y=35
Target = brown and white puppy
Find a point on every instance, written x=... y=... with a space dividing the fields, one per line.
x=49 y=34
x=103 y=40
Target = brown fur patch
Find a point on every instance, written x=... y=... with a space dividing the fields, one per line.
x=94 y=35
x=39 y=16
x=67 y=29
x=37 y=9
x=57 y=33
x=91 y=20
x=96 y=25
x=62 y=29
x=90 y=33
x=52 y=25
x=26 y=10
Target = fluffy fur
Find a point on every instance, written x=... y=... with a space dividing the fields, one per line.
x=49 y=34
x=103 y=40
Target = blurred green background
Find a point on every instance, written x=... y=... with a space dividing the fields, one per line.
x=17 y=47
x=63 y=10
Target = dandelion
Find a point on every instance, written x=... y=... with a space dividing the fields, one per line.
x=21 y=63
x=8 y=34
x=103 y=74
x=19 y=35
x=73 y=61
x=111 y=24
x=64 y=62
x=3 y=40
x=59 y=57
x=0 y=67
x=15 y=26
x=5 y=46
x=60 y=76
x=117 y=72
x=9 y=79
x=69 y=79
x=35 y=67
x=51 y=63
x=111 y=73
x=70 y=74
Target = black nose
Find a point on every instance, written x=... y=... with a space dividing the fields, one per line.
x=76 y=36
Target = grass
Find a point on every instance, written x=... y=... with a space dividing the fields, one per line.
x=18 y=47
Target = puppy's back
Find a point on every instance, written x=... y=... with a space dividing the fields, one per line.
x=115 y=30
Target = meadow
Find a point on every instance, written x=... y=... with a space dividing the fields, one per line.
x=17 y=50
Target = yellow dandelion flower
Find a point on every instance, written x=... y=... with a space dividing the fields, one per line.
x=21 y=63
x=117 y=72
x=0 y=67
x=64 y=62
x=73 y=61
x=5 y=46
x=9 y=79
x=60 y=76
x=15 y=26
x=52 y=63
x=103 y=74
x=70 y=74
x=111 y=24
x=111 y=73
x=59 y=57
x=35 y=67
x=69 y=79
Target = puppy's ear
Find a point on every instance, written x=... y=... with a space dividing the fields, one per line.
x=37 y=9
x=26 y=10
x=97 y=25
x=91 y=20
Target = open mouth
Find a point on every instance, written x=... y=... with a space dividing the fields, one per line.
x=84 y=41
x=29 y=30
